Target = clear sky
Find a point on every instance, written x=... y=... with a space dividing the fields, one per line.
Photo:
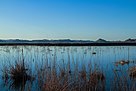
x=68 y=19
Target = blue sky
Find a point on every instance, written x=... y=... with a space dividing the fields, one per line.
x=68 y=19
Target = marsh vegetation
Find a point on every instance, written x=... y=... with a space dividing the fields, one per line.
x=53 y=68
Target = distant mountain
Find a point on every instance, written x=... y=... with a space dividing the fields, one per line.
x=101 y=41
x=61 y=40
x=45 y=41
x=14 y=40
x=1 y=40
x=64 y=41
x=130 y=40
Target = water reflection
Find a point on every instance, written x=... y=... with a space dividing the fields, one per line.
x=67 y=68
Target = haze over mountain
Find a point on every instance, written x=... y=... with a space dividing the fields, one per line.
x=61 y=41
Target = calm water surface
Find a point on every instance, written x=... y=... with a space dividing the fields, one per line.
x=37 y=57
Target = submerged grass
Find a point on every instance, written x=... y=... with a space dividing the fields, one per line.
x=16 y=76
x=65 y=80
x=50 y=76
x=132 y=72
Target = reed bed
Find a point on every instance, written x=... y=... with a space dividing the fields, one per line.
x=66 y=75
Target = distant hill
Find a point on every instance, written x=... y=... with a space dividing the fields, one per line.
x=64 y=41
x=45 y=41
x=130 y=40
x=101 y=41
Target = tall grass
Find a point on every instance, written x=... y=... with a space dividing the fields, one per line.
x=66 y=76
x=16 y=75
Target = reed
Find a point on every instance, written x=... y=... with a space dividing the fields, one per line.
x=68 y=76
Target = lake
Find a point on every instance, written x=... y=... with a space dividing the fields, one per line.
x=67 y=68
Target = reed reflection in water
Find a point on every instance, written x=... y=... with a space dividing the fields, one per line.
x=53 y=68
